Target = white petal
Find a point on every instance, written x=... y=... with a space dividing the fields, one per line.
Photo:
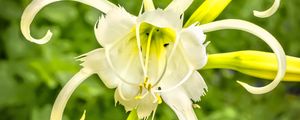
x=195 y=87
x=162 y=19
x=148 y=4
x=178 y=71
x=124 y=60
x=146 y=107
x=120 y=96
x=265 y=36
x=192 y=39
x=180 y=103
x=269 y=12
x=36 y=5
x=66 y=92
x=115 y=33
x=112 y=28
x=96 y=62
x=179 y=6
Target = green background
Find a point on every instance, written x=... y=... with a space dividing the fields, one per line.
x=32 y=75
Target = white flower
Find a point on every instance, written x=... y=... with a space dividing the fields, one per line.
x=149 y=58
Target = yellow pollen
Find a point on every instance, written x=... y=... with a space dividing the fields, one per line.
x=139 y=97
x=196 y=106
x=149 y=87
x=159 y=100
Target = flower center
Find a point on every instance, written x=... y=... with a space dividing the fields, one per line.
x=155 y=47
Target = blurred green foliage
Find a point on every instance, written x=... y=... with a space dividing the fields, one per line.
x=32 y=75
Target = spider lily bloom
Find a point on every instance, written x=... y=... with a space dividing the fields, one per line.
x=151 y=57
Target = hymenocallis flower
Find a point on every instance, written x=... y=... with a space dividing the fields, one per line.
x=153 y=57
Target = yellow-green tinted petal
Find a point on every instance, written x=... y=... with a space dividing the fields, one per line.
x=255 y=63
x=208 y=11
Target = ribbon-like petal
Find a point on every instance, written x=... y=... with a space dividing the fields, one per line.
x=269 y=12
x=66 y=92
x=36 y=5
x=265 y=36
x=179 y=6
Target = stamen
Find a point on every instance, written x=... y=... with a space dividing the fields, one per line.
x=206 y=44
x=188 y=75
x=154 y=96
x=162 y=74
x=141 y=89
x=153 y=114
x=265 y=36
x=148 y=50
x=138 y=40
x=146 y=81
x=139 y=97
x=149 y=87
x=114 y=69
x=196 y=106
x=269 y=12
x=122 y=95
x=159 y=100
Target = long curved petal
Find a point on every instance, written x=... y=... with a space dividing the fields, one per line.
x=269 y=12
x=179 y=6
x=265 y=36
x=66 y=92
x=36 y=5
x=180 y=103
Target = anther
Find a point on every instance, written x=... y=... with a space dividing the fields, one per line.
x=149 y=87
x=141 y=89
x=196 y=106
x=159 y=100
x=139 y=97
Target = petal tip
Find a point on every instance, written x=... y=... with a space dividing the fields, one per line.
x=44 y=40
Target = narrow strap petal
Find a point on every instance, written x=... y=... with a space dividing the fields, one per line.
x=36 y=5
x=149 y=6
x=265 y=36
x=179 y=6
x=269 y=12
x=66 y=92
